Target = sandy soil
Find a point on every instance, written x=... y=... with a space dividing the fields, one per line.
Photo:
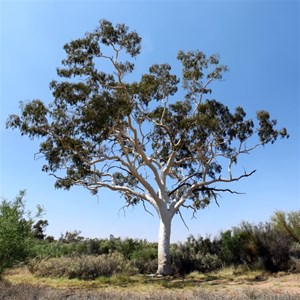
x=277 y=284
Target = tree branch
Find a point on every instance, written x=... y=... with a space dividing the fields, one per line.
x=144 y=157
x=182 y=219
x=149 y=212
x=190 y=207
x=198 y=186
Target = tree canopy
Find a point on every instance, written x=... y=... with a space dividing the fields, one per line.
x=103 y=130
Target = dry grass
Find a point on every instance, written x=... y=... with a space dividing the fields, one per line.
x=225 y=284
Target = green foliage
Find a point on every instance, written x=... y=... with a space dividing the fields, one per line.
x=144 y=258
x=237 y=246
x=16 y=237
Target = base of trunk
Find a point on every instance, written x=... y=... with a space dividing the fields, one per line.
x=164 y=258
x=164 y=271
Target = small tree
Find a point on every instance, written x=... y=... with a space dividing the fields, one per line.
x=39 y=229
x=15 y=232
x=104 y=131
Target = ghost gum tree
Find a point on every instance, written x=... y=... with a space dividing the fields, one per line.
x=103 y=131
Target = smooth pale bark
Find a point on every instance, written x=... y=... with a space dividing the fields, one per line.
x=164 y=258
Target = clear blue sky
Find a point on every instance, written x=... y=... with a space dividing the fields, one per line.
x=258 y=40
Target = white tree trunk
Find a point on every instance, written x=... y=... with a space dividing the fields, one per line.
x=164 y=258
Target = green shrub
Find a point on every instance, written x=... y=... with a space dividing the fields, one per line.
x=207 y=262
x=273 y=247
x=145 y=259
x=238 y=246
x=194 y=256
x=203 y=263
x=266 y=245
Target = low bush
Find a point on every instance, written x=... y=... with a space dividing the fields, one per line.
x=200 y=262
x=145 y=259
x=187 y=258
x=82 y=267
x=294 y=254
x=273 y=248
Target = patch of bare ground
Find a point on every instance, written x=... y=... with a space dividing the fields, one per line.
x=279 y=282
x=20 y=284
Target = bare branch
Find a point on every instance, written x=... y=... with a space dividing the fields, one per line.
x=204 y=185
x=149 y=212
x=228 y=180
x=190 y=207
x=123 y=208
x=130 y=204
x=182 y=219
x=221 y=190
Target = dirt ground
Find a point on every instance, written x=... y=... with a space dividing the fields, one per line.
x=241 y=286
x=277 y=284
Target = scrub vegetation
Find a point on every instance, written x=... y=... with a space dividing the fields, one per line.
x=34 y=265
